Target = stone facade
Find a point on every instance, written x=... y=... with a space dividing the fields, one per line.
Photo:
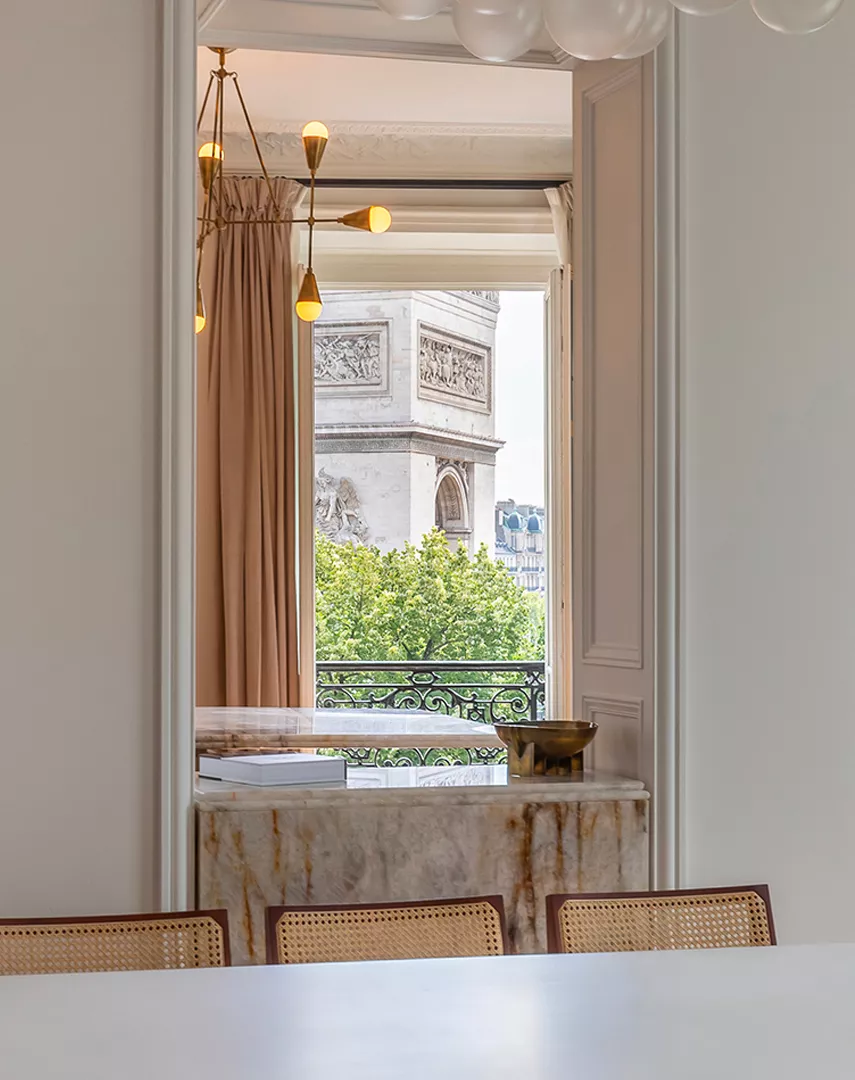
x=404 y=416
x=521 y=543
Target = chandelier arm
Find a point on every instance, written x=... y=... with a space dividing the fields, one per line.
x=311 y=218
x=205 y=102
x=221 y=93
x=267 y=180
x=206 y=226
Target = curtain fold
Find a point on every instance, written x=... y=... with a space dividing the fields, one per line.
x=247 y=600
x=561 y=204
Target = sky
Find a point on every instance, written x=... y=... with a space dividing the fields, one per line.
x=518 y=389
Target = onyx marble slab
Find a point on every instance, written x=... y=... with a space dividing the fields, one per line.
x=434 y=836
x=240 y=728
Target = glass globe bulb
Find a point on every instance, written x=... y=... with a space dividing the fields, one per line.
x=201 y=319
x=315 y=130
x=379 y=219
x=211 y=150
x=309 y=306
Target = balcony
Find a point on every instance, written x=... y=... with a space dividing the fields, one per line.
x=484 y=691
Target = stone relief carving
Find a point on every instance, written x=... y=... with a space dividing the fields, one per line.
x=461 y=468
x=347 y=358
x=351 y=358
x=454 y=369
x=338 y=513
x=490 y=295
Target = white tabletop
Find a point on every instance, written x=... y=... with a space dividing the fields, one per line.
x=763 y=1014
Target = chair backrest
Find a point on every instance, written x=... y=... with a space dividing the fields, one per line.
x=186 y=939
x=678 y=919
x=403 y=931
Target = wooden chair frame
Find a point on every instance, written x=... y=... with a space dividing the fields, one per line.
x=556 y=901
x=273 y=915
x=219 y=916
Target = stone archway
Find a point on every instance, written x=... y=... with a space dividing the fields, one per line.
x=451 y=508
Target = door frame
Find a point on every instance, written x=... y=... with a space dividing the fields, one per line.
x=177 y=459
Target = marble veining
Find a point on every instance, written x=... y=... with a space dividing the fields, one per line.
x=523 y=841
x=302 y=728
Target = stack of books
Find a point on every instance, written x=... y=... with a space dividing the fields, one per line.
x=275 y=770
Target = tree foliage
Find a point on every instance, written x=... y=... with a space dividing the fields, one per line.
x=422 y=602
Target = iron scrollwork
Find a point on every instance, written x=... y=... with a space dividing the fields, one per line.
x=485 y=691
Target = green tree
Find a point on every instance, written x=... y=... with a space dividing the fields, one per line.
x=422 y=602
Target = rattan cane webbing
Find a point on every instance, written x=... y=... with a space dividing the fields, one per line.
x=388 y=933
x=138 y=944
x=634 y=924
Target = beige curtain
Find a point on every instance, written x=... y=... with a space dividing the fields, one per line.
x=561 y=204
x=247 y=625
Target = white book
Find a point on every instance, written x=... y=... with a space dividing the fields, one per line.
x=275 y=770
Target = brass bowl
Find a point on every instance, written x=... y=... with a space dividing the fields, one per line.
x=548 y=748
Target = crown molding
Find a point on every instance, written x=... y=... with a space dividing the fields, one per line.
x=448 y=53
x=397 y=129
x=385 y=154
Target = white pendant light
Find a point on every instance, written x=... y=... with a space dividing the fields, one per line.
x=593 y=29
x=498 y=37
x=658 y=20
x=796 y=16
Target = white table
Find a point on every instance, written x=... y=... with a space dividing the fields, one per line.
x=763 y=1014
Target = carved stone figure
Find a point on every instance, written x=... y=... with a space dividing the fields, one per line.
x=338 y=513
x=449 y=367
x=347 y=358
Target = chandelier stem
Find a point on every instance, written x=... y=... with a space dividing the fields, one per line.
x=205 y=102
x=311 y=218
x=218 y=138
x=256 y=147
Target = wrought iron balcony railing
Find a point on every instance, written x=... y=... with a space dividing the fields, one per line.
x=485 y=691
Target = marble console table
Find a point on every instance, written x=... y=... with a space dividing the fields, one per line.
x=418 y=833
x=250 y=730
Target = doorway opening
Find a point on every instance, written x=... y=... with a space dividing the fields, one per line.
x=430 y=562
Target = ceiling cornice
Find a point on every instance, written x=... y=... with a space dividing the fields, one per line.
x=279 y=41
x=380 y=153
x=409 y=129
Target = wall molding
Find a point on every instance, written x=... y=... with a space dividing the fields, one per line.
x=622 y=708
x=669 y=596
x=177 y=455
x=620 y=654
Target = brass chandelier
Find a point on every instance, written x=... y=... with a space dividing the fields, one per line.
x=217 y=215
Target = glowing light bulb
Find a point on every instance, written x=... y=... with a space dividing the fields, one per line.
x=210 y=159
x=315 y=130
x=309 y=306
x=201 y=320
x=315 y=138
x=379 y=219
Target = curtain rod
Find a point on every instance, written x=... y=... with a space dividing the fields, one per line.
x=437 y=184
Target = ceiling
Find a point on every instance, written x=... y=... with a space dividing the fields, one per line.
x=392 y=117
x=348 y=27
x=399 y=119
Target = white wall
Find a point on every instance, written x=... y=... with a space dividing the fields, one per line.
x=769 y=430
x=78 y=455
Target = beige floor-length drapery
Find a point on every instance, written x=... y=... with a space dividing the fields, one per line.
x=247 y=603
x=560 y=201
